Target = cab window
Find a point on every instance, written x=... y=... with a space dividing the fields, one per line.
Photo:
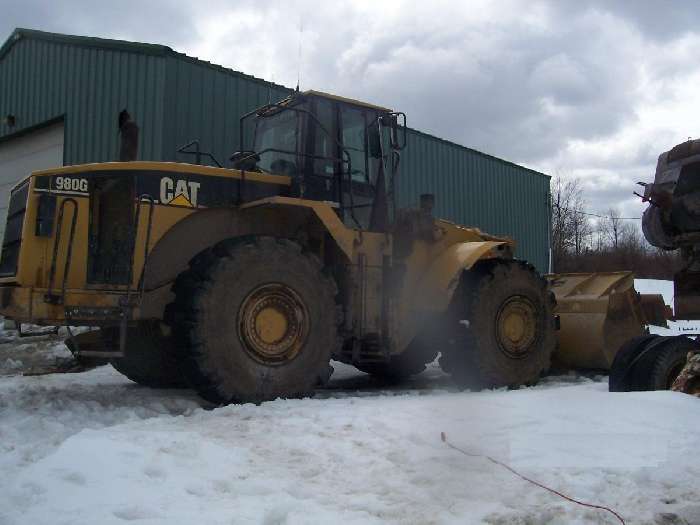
x=276 y=140
x=355 y=141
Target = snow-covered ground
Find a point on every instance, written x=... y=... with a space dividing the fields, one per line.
x=95 y=448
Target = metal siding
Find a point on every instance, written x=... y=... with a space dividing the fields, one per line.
x=214 y=100
x=175 y=99
x=42 y=81
x=478 y=190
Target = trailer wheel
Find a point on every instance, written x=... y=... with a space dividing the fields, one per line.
x=624 y=371
x=502 y=326
x=254 y=319
x=150 y=358
x=659 y=369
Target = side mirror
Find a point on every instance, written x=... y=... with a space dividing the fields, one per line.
x=396 y=122
x=46 y=211
x=398 y=131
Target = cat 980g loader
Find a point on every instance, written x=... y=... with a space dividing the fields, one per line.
x=243 y=283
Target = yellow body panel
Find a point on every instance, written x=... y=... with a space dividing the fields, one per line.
x=387 y=292
x=173 y=167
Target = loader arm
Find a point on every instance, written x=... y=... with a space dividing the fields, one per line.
x=433 y=290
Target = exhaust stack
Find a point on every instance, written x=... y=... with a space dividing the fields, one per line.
x=129 y=140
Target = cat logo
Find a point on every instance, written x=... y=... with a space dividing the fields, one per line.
x=179 y=193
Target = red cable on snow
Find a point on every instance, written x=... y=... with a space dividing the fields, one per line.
x=443 y=436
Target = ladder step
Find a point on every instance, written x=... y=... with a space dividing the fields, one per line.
x=99 y=353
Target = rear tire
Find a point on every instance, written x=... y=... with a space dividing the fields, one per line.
x=150 y=358
x=502 y=326
x=255 y=320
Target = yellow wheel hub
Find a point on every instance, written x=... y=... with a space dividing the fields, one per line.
x=273 y=324
x=516 y=326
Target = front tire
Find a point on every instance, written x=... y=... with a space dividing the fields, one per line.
x=255 y=320
x=502 y=326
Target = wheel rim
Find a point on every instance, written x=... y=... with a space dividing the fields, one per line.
x=516 y=327
x=273 y=324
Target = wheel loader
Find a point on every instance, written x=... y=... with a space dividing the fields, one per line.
x=245 y=282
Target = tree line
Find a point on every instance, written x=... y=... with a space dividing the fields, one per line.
x=586 y=242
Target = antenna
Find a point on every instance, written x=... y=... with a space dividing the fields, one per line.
x=301 y=35
x=269 y=89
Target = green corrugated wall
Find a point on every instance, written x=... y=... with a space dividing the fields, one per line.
x=476 y=189
x=205 y=102
x=175 y=98
x=41 y=80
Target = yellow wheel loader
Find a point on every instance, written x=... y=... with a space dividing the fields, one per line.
x=244 y=283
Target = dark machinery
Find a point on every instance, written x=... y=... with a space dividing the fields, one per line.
x=670 y=222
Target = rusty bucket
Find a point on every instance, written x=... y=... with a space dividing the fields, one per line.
x=598 y=312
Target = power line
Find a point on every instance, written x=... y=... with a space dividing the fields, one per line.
x=610 y=217
x=598 y=215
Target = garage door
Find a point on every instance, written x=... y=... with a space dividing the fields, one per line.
x=19 y=157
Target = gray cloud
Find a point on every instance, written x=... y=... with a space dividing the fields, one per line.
x=591 y=89
x=166 y=22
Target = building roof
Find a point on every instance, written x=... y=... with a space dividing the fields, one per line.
x=120 y=45
x=165 y=51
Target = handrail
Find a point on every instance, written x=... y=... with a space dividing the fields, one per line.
x=197 y=152
x=134 y=235
x=49 y=297
x=125 y=303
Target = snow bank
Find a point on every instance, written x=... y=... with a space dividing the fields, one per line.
x=95 y=448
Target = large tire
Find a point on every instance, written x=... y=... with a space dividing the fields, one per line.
x=503 y=326
x=150 y=357
x=255 y=320
x=659 y=369
x=623 y=371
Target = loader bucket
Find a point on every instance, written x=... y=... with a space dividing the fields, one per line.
x=598 y=312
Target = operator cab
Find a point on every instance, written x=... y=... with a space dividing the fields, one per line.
x=335 y=149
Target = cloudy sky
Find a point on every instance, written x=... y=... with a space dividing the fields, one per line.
x=592 y=89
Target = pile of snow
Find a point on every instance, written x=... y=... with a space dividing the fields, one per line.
x=19 y=354
x=96 y=448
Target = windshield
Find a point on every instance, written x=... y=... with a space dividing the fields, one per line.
x=276 y=141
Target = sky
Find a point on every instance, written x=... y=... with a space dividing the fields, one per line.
x=594 y=90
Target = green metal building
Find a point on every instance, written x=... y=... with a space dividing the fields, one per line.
x=60 y=96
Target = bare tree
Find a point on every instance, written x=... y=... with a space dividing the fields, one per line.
x=612 y=225
x=571 y=228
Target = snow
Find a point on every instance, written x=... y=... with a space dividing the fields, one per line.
x=94 y=447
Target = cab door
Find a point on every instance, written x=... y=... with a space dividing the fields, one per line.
x=358 y=193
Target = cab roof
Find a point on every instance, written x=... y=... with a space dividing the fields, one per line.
x=321 y=94
x=354 y=102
